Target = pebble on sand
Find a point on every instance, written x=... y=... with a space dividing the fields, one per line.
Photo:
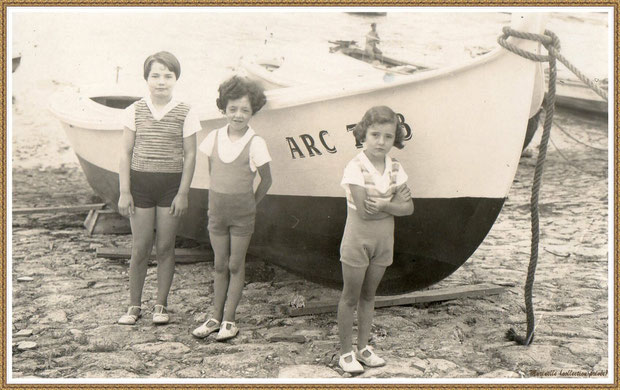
x=23 y=333
x=307 y=371
x=26 y=345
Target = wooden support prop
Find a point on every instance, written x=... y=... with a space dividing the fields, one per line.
x=181 y=255
x=106 y=222
x=443 y=294
x=60 y=209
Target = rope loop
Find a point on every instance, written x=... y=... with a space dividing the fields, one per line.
x=509 y=32
x=555 y=41
x=551 y=42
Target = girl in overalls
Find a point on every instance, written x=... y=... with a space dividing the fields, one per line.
x=235 y=153
x=156 y=169
x=376 y=191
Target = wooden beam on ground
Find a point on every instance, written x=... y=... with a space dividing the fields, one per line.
x=60 y=209
x=106 y=222
x=443 y=294
x=181 y=255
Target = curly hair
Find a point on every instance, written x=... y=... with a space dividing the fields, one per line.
x=237 y=87
x=165 y=58
x=380 y=115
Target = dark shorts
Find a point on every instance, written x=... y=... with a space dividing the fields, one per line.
x=233 y=214
x=150 y=189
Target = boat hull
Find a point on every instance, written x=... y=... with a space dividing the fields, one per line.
x=429 y=245
x=466 y=128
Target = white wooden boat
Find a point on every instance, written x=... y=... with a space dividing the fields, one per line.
x=468 y=124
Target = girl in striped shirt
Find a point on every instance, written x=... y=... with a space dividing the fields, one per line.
x=376 y=191
x=156 y=168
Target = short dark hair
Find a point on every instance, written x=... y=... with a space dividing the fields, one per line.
x=165 y=58
x=380 y=115
x=237 y=87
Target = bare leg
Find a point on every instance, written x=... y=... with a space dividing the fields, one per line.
x=221 y=251
x=142 y=223
x=164 y=242
x=366 y=306
x=353 y=278
x=236 y=266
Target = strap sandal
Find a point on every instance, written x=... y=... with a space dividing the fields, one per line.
x=352 y=367
x=160 y=315
x=133 y=313
x=369 y=358
x=210 y=326
x=228 y=330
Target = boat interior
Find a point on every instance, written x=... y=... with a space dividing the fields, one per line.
x=120 y=102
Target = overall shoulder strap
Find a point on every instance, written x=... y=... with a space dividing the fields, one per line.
x=394 y=171
x=368 y=180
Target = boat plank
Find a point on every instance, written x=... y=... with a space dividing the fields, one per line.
x=55 y=209
x=443 y=294
x=181 y=255
x=106 y=222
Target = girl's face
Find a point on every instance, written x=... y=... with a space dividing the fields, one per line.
x=161 y=81
x=238 y=113
x=380 y=139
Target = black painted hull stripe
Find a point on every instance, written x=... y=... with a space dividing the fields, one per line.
x=303 y=233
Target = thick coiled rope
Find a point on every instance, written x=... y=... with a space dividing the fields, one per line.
x=551 y=42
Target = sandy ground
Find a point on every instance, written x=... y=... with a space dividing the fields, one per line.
x=66 y=301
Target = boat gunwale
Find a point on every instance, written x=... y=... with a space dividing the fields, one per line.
x=276 y=99
x=356 y=88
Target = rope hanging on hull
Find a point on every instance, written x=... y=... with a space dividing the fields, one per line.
x=551 y=42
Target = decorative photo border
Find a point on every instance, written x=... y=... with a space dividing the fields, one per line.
x=323 y=144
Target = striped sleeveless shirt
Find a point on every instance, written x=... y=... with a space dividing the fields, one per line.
x=158 y=145
x=369 y=184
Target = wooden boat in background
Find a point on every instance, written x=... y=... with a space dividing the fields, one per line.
x=310 y=66
x=367 y=14
x=380 y=61
x=575 y=95
x=347 y=62
x=467 y=127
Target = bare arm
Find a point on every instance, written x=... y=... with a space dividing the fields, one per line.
x=399 y=208
x=400 y=204
x=373 y=37
x=359 y=198
x=125 y=201
x=264 y=171
x=403 y=194
x=180 y=202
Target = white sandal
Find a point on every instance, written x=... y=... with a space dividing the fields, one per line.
x=352 y=367
x=205 y=329
x=160 y=315
x=130 y=318
x=372 y=360
x=228 y=330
